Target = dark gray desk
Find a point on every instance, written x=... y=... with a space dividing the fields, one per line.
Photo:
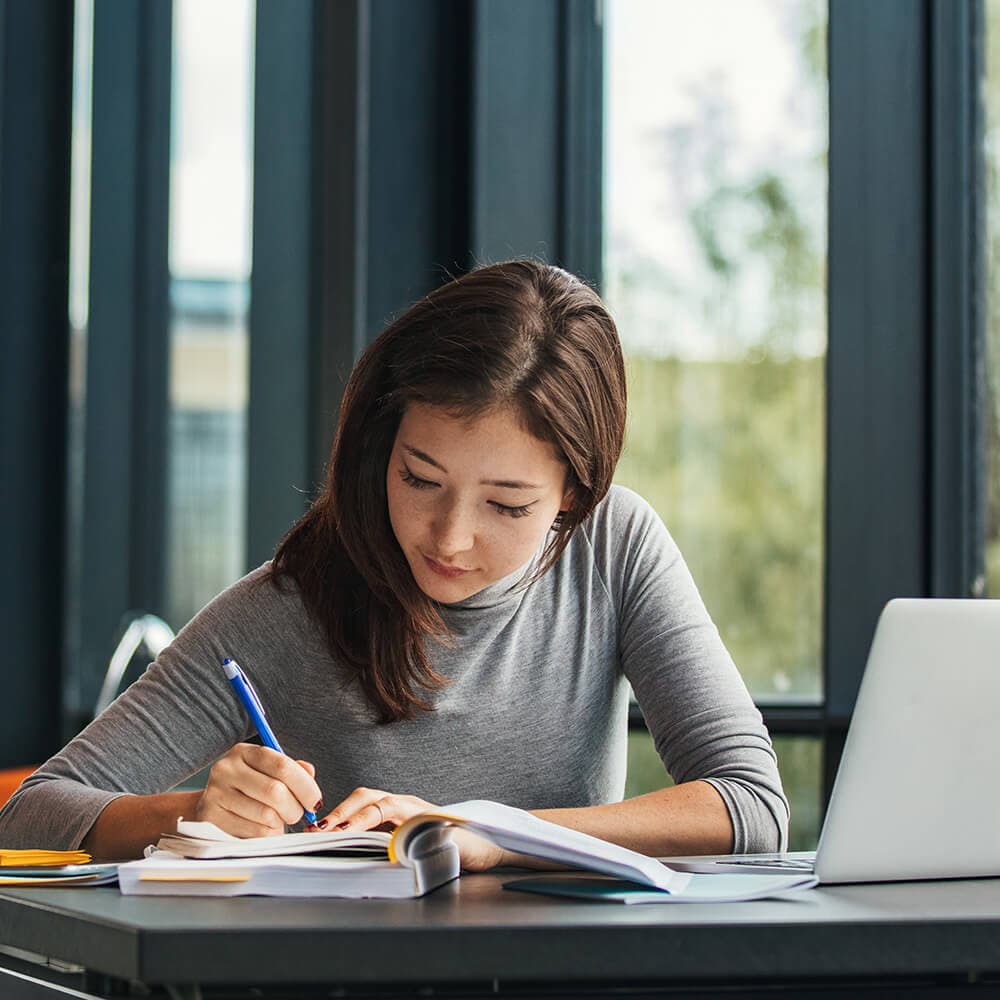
x=471 y=938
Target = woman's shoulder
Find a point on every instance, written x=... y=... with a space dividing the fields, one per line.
x=624 y=533
x=623 y=514
x=255 y=603
x=260 y=588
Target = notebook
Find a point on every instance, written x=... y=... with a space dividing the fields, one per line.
x=914 y=796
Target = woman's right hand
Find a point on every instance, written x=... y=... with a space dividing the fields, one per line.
x=253 y=791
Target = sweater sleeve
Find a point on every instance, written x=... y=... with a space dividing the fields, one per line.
x=701 y=716
x=177 y=718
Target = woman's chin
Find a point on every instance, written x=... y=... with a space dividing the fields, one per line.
x=446 y=590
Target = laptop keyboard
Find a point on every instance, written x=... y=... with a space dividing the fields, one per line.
x=793 y=864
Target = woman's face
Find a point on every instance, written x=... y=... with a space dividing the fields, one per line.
x=470 y=501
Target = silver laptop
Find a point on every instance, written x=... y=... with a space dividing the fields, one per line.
x=917 y=794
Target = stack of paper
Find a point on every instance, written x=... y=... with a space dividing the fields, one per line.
x=31 y=867
x=56 y=875
x=167 y=874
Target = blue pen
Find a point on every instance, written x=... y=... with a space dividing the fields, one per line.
x=248 y=697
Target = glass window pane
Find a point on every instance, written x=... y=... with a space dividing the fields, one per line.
x=800 y=763
x=715 y=266
x=210 y=233
x=992 y=410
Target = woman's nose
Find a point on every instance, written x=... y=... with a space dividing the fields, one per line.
x=454 y=530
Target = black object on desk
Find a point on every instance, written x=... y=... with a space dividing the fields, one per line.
x=471 y=938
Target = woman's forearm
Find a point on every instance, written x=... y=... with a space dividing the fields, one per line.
x=690 y=818
x=129 y=823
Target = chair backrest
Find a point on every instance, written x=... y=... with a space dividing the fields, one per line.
x=143 y=629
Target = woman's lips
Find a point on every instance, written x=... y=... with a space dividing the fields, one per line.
x=449 y=571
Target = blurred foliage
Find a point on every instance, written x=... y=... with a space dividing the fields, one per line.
x=731 y=454
x=726 y=365
x=727 y=435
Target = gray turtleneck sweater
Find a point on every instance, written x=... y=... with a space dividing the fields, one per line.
x=534 y=714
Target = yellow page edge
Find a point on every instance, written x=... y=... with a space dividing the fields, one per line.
x=193 y=878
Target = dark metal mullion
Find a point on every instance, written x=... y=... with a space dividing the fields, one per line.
x=581 y=217
x=957 y=307
x=151 y=324
x=340 y=178
x=478 y=108
x=516 y=168
x=876 y=544
x=3 y=76
x=280 y=450
x=417 y=153
x=123 y=511
x=780 y=719
x=36 y=62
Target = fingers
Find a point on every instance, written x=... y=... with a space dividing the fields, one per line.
x=245 y=818
x=280 y=782
x=358 y=811
x=371 y=809
x=318 y=805
x=255 y=791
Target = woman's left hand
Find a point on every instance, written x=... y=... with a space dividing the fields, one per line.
x=373 y=809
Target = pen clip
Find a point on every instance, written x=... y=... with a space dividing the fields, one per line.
x=252 y=692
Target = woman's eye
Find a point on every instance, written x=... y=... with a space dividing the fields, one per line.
x=511 y=511
x=415 y=481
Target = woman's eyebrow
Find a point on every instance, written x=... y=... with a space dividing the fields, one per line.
x=507 y=484
x=423 y=456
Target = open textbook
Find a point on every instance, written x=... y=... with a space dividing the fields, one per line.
x=201 y=860
x=206 y=840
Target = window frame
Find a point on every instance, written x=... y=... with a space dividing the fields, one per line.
x=335 y=257
x=122 y=563
x=905 y=491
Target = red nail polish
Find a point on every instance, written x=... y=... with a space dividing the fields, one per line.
x=318 y=807
x=323 y=824
x=341 y=826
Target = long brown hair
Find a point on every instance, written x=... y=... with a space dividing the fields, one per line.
x=521 y=334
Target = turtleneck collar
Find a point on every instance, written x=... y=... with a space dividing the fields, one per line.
x=500 y=591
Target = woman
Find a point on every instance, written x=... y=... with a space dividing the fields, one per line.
x=457 y=616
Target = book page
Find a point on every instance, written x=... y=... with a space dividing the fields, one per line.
x=206 y=840
x=520 y=831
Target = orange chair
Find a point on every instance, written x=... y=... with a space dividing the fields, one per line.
x=10 y=780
